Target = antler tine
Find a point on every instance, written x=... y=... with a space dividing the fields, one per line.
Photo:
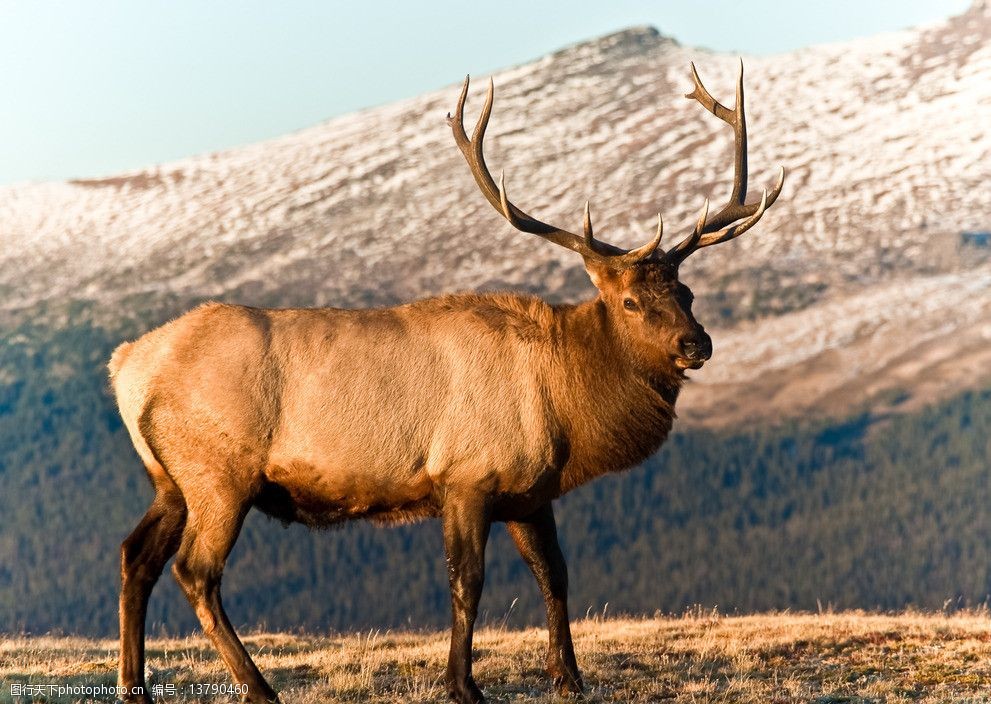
x=688 y=245
x=740 y=132
x=720 y=227
x=634 y=255
x=734 y=231
x=483 y=123
x=647 y=250
x=457 y=122
x=585 y=245
x=704 y=97
x=587 y=226
x=504 y=199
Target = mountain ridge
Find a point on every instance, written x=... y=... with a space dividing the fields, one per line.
x=376 y=207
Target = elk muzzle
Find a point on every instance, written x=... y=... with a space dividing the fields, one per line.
x=694 y=350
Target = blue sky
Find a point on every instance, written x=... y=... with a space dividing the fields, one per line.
x=94 y=87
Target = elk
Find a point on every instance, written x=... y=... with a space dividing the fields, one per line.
x=469 y=408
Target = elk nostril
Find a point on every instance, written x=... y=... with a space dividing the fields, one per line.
x=689 y=348
x=697 y=346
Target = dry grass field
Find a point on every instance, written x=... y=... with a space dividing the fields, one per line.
x=700 y=657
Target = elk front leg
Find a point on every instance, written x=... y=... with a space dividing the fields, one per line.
x=536 y=539
x=466 y=530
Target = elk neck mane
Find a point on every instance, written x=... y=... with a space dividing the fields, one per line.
x=617 y=412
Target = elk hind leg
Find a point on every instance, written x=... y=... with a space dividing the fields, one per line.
x=211 y=529
x=142 y=558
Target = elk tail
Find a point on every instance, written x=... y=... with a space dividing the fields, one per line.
x=118 y=358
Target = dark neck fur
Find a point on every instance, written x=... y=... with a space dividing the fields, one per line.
x=614 y=414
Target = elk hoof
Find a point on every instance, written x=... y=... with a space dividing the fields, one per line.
x=466 y=692
x=569 y=686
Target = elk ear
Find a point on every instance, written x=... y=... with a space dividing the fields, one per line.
x=602 y=276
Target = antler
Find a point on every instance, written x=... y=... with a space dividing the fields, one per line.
x=707 y=231
x=586 y=245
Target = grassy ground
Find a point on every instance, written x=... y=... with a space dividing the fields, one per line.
x=701 y=657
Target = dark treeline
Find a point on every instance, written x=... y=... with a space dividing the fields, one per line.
x=860 y=513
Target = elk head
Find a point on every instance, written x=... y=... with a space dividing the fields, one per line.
x=647 y=306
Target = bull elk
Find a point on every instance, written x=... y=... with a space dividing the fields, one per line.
x=471 y=408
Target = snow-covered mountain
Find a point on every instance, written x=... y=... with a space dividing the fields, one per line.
x=858 y=286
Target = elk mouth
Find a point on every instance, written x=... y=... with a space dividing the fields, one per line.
x=688 y=363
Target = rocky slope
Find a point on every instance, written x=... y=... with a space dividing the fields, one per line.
x=858 y=287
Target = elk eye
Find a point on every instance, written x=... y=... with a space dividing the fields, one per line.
x=630 y=304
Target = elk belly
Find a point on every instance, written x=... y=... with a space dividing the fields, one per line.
x=303 y=492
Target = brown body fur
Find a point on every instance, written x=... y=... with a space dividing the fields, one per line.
x=322 y=415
